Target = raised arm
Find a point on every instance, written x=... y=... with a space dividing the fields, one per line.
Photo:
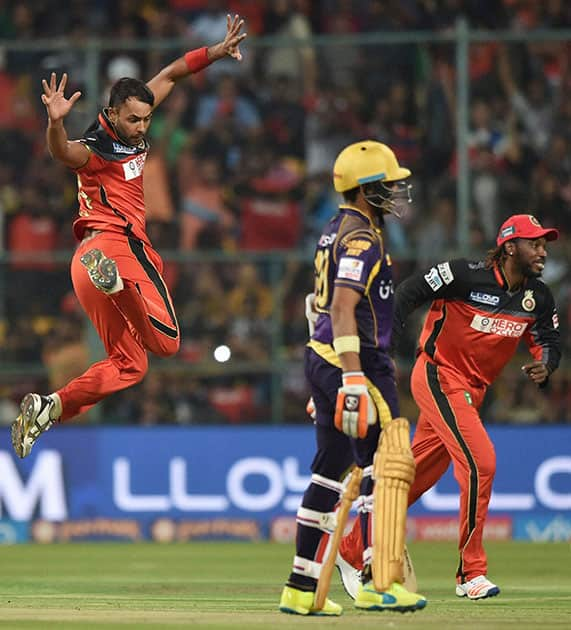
x=196 y=60
x=72 y=154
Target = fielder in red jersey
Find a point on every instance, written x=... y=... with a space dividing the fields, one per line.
x=479 y=313
x=115 y=271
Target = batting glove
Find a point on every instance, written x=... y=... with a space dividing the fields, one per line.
x=354 y=410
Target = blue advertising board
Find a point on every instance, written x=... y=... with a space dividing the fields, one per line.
x=250 y=475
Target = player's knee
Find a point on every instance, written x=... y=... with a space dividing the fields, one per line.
x=167 y=347
x=486 y=467
x=138 y=369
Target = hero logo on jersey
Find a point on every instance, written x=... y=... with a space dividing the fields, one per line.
x=485 y=298
x=497 y=326
x=350 y=269
x=133 y=168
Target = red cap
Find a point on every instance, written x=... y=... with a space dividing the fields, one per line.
x=524 y=226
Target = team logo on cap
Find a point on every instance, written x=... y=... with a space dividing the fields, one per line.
x=534 y=221
x=528 y=302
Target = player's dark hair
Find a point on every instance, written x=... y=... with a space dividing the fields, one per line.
x=494 y=256
x=130 y=88
x=350 y=196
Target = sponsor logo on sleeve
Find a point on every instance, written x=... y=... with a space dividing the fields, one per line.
x=498 y=326
x=350 y=269
x=433 y=279
x=484 y=298
x=133 y=168
x=555 y=320
x=445 y=272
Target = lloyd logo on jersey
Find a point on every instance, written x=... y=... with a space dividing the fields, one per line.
x=133 y=168
x=528 y=302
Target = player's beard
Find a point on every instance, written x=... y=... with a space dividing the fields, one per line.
x=528 y=270
x=129 y=141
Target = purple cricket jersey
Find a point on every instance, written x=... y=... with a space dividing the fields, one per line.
x=350 y=253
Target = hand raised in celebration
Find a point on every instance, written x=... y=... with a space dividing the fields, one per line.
x=231 y=44
x=53 y=98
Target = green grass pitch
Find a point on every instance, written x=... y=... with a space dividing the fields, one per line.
x=237 y=585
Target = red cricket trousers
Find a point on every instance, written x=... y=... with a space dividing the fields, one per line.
x=449 y=428
x=141 y=317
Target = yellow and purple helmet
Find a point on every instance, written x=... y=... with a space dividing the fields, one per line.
x=372 y=165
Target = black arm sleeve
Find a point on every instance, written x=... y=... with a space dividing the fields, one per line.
x=444 y=280
x=545 y=333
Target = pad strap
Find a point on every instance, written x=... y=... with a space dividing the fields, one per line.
x=325 y=521
x=309 y=568
x=329 y=484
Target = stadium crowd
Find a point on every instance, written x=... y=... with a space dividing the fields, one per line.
x=241 y=164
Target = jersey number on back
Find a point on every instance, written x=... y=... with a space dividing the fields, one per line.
x=321 y=279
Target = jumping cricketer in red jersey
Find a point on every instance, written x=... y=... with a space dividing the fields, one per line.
x=115 y=271
x=479 y=313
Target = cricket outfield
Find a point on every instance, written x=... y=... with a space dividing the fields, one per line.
x=237 y=585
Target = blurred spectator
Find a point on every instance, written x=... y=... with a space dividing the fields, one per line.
x=65 y=352
x=296 y=59
x=227 y=107
x=534 y=105
x=436 y=234
x=250 y=304
x=205 y=222
x=283 y=118
x=267 y=200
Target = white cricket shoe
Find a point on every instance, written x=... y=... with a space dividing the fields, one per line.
x=477 y=588
x=33 y=420
x=350 y=576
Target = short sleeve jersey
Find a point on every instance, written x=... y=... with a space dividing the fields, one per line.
x=110 y=183
x=350 y=253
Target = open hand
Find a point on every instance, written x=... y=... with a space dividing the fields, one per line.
x=231 y=44
x=53 y=98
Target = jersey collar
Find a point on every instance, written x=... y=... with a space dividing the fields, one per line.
x=502 y=280
x=109 y=129
x=361 y=214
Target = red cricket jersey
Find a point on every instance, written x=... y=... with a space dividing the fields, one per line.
x=110 y=184
x=475 y=322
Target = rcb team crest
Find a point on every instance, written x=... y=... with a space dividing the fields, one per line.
x=528 y=302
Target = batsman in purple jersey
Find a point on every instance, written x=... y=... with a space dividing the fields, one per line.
x=351 y=253
x=348 y=367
